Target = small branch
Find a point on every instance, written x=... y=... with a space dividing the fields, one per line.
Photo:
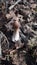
x=11 y=7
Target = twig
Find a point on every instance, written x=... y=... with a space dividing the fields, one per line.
x=11 y=7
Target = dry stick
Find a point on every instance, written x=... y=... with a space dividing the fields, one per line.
x=3 y=35
x=12 y=6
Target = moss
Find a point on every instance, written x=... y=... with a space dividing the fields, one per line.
x=35 y=9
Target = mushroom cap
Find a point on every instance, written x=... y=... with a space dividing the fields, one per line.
x=16 y=23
